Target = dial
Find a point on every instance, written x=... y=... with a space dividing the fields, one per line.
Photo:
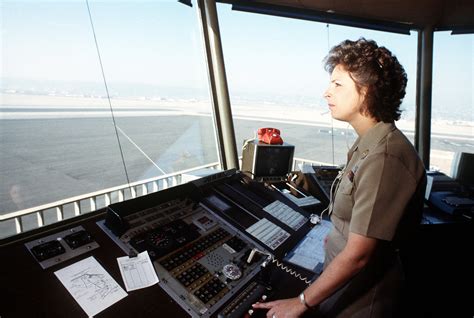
x=232 y=271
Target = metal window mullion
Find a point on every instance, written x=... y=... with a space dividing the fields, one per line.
x=218 y=84
x=426 y=82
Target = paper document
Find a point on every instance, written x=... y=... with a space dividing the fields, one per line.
x=137 y=272
x=90 y=285
x=309 y=253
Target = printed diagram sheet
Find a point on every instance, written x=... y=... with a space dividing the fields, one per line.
x=137 y=272
x=90 y=285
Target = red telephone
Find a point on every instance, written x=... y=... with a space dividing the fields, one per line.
x=270 y=136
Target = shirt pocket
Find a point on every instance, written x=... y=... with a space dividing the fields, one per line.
x=346 y=187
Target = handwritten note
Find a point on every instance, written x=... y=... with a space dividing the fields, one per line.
x=137 y=272
x=90 y=285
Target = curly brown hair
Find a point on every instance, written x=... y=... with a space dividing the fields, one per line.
x=376 y=69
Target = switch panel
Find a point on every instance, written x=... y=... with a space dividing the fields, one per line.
x=59 y=247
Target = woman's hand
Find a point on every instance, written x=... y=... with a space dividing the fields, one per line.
x=285 y=308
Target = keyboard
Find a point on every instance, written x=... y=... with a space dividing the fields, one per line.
x=268 y=233
x=304 y=201
x=286 y=214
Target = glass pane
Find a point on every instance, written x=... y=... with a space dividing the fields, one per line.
x=404 y=47
x=56 y=133
x=276 y=79
x=155 y=69
x=452 y=124
x=60 y=133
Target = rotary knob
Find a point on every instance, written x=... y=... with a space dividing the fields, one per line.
x=232 y=271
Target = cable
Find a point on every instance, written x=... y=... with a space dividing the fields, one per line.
x=140 y=149
x=108 y=96
x=332 y=191
x=290 y=271
x=273 y=260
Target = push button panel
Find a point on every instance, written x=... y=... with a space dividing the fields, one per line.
x=59 y=247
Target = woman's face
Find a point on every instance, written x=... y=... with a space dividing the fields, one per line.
x=343 y=99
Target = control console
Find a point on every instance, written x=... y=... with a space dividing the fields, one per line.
x=200 y=260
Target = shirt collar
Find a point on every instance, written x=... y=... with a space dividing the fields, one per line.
x=373 y=136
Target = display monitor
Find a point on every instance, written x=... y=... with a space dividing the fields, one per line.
x=463 y=168
x=266 y=162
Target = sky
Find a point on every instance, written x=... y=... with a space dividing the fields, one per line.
x=158 y=43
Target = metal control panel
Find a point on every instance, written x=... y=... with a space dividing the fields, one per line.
x=59 y=247
x=200 y=260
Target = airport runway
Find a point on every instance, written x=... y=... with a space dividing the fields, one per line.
x=46 y=160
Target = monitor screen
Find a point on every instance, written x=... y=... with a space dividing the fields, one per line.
x=273 y=161
x=265 y=161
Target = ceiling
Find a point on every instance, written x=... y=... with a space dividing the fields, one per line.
x=439 y=14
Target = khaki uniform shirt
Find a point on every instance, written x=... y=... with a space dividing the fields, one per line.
x=381 y=176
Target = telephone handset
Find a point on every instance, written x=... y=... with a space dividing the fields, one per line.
x=270 y=136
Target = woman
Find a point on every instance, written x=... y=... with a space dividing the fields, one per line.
x=382 y=182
